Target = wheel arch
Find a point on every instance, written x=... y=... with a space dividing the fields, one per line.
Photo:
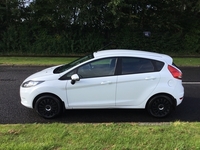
x=173 y=100
x=43 y=94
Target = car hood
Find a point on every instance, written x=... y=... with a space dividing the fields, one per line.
x=46 y=74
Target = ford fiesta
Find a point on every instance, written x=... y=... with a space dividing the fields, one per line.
x=106 y=79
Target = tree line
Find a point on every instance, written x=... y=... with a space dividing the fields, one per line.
x=63 y=27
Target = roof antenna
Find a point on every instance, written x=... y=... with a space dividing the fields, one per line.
x=104 y=46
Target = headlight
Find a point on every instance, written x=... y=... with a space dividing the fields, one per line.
x=31 y=83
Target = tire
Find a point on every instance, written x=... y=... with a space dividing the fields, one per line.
x=160 y=106
x=48 y=106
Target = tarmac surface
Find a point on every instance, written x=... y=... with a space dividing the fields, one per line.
x=12 y=112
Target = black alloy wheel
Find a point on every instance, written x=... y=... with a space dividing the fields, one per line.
x=48 y=106
x=160 y=106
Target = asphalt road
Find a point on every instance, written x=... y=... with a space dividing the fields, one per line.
x=12 y=112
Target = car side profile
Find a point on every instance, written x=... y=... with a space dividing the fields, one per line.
x=106 y=79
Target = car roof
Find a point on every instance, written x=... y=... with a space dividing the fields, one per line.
x=133 y=53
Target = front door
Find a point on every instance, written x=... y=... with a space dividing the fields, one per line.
x=97 y=85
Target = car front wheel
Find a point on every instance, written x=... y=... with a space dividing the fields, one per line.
x=160 y=106
x=48 y=106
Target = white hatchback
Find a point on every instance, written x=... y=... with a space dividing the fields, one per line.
x=106 y=79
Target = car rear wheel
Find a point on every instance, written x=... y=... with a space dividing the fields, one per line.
x=48 y=106
x=160 y=106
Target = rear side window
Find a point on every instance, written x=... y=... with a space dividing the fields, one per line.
x=132 y=65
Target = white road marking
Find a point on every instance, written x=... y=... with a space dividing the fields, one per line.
x=197 y=83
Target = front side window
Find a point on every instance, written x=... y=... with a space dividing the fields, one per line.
x=98 y=68
x=65 y=67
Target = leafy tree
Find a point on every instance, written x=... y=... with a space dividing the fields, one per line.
x=80 y=26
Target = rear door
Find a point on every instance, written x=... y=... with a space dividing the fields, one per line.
x=138 y=78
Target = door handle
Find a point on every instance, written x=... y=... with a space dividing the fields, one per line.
x=150 y=78
x=106 y=82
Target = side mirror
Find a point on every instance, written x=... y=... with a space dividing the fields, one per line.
x=74 y=78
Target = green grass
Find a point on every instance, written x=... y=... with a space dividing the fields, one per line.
x=48 y=61
x=191 y=62
x=111 y=136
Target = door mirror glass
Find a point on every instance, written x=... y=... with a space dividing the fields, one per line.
x=74 y=78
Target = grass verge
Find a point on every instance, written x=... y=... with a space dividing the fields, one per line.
x=48 y=61
x=112 y=136
x=188 y=62
x=35 y=61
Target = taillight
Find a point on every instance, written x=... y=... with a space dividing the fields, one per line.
x=175 y=72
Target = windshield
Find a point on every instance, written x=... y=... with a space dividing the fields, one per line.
x=65 y=67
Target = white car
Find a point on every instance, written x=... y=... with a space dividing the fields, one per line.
x=106 y=79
